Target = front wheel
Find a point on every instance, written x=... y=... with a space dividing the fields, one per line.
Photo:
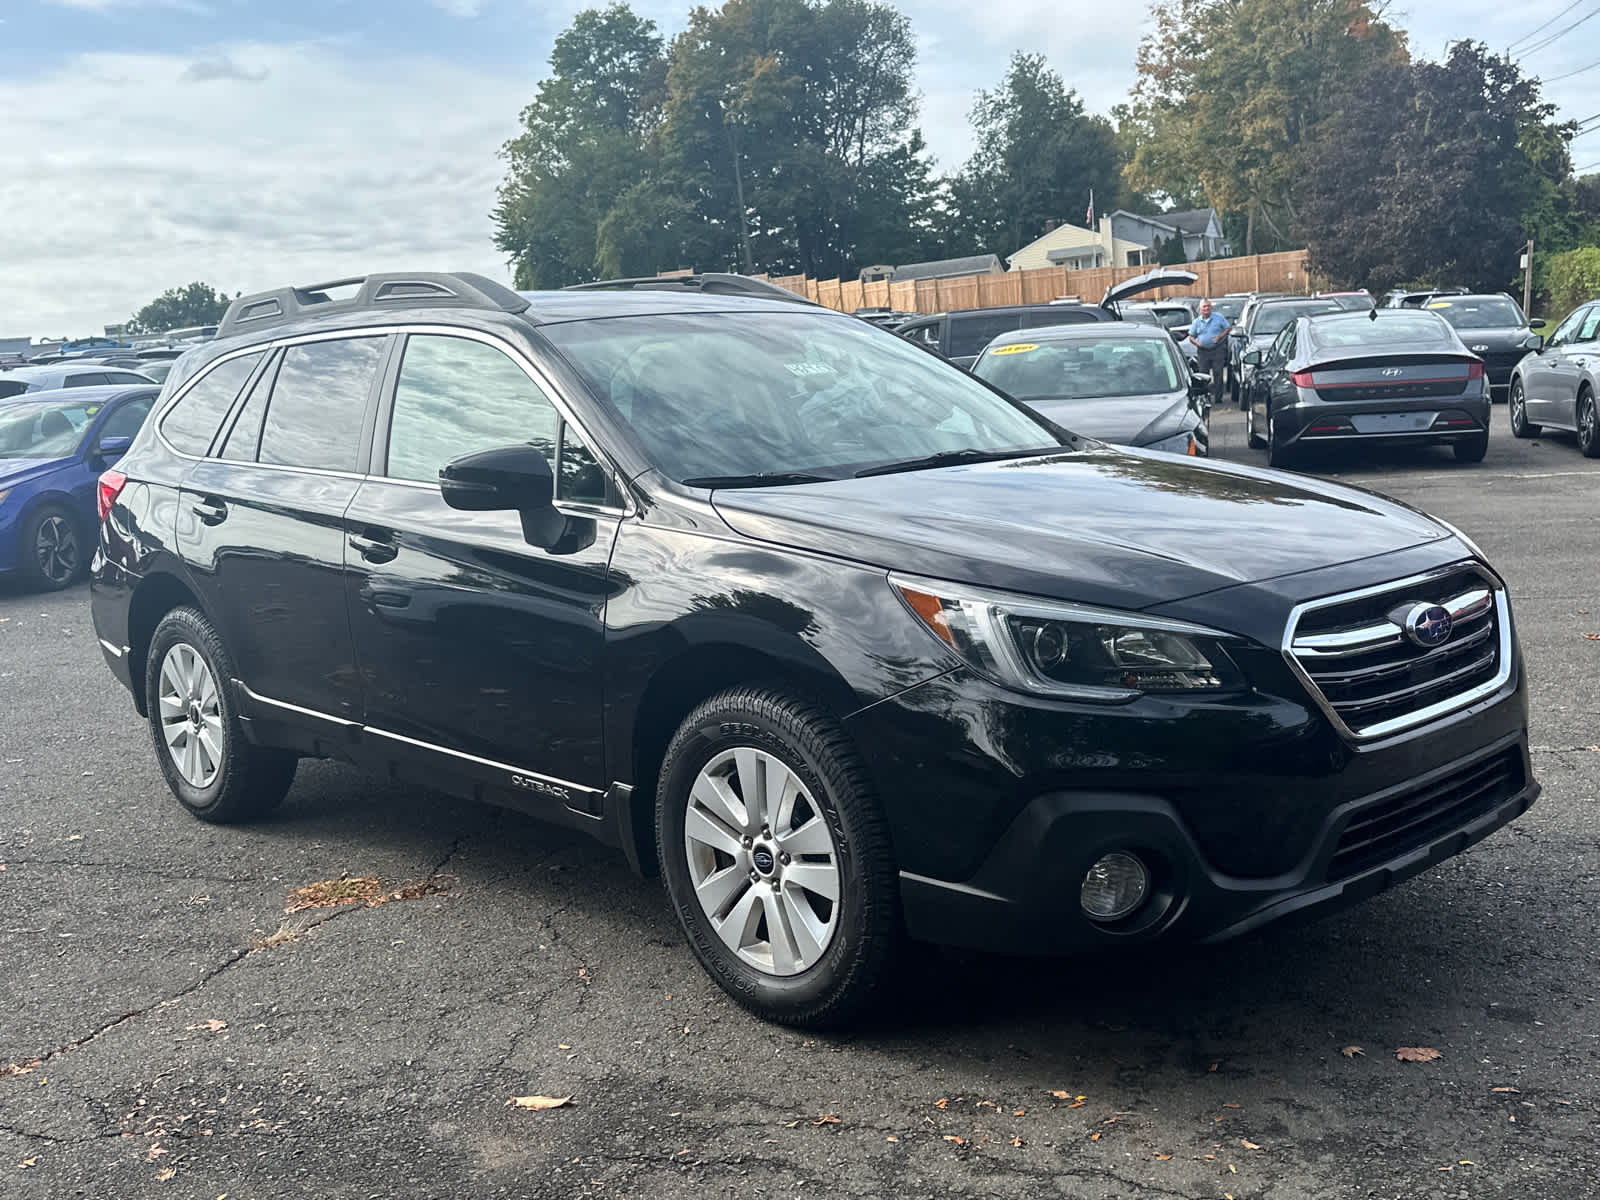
x=1588 y=426
x=50 y=550
x=777 y=858
x=211 y=768
x=1517 y=402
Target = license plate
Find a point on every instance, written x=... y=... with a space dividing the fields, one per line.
x=1400 y=422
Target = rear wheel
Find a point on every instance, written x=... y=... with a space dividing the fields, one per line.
x=777 y=858
x=50 y=550
x=1278 y=454
x=1471 y=450
x=213 y=771
x=1517 y=401
x=1588 y=425
x=1254 y=439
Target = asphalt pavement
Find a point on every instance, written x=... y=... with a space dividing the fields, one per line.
x=168 y=1029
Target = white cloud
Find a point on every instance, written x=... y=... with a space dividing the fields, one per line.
x=119 y=179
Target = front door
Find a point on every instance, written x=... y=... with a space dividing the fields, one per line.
x=1549 y=378
x=480 y=653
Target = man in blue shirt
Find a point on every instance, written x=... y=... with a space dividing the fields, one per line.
x=1209 y=334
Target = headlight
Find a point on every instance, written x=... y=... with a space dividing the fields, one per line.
x=1460 y=537
x=1068 y=650
x=1181 y=443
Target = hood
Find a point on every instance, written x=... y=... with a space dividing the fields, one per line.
x=1127 y=420
x=15 y=470
x=1126 y=529
x=1162 y=277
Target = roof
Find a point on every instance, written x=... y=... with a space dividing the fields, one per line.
x=976 y=264
x=102 y=392
x=1190 y=220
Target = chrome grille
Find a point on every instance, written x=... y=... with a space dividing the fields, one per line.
x=1397 y=824
x=1373 y=678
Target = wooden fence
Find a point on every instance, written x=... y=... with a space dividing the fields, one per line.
x=1261 y=272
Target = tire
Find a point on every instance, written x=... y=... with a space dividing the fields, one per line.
x=221 y=778
x=1471 y=450
x=1588 y=425
x=1278 y=455
x=50 y=549
x=1251 y=437
x=1517 y=402
x=725 y=865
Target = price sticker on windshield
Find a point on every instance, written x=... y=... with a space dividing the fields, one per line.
x=1019 y=348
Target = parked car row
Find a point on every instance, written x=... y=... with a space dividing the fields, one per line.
x=845 y=643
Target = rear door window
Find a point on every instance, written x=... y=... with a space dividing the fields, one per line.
x=970 y=334
x=191 y=424
x=319 y=402
x=90 y=379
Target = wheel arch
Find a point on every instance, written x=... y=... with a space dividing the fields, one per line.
x=156 y=595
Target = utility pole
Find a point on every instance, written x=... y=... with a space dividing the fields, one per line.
x=1527 y=276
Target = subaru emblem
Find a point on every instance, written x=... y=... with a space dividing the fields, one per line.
x=1429 y=625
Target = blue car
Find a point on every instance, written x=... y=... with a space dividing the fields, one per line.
x=53 y=447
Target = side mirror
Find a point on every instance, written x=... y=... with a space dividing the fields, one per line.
x=1537 y=342
x=507 y=478
x=1179 y=332
x=1252 y=358
x=112 y=447
x=1536 y=323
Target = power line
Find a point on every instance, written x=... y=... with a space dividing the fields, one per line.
x=1570 y=74
x=1582 y=170
x=1546 y=25
x=1560 y=33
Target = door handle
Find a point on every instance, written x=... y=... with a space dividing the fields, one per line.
x=212 y=512
x=373 y=550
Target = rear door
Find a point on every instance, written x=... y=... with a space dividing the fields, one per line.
x=261 y=522
x=480 y=652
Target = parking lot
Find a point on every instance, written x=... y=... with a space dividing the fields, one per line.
x=172 y=1030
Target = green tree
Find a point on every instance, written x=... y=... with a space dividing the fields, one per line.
x=1426 y=175
x=1228 y=91
x=586 y=144
x=1039 y=157
x=180 y=308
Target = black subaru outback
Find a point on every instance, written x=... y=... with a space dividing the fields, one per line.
x=844 y=643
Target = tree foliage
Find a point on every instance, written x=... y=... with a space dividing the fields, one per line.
x=1229 y=90
x=1039 y=157
x=1574 y=277
x=180 y=308
x=1426 y=174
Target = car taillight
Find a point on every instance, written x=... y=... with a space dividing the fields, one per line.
x=1475 y=370
x=111 y=484
x=1302 y=379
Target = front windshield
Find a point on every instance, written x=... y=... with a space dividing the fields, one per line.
x=1271 y=318
x=1493 y=312
x=724 y=395
x=1085 y=368
x=43 y=430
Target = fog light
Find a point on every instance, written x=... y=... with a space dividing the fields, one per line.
x=1114 y=886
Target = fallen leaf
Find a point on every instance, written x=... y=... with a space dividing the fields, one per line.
x=28 y=1162
x=1094 y=1137
x=791 y=1124
x=1352 y=1051
x=1227 y=1196
x=1078 y=1103
x=1017 y=1141
x=540 y=1102
x=826 y=1119
x=1214 y=1066
x=891 y=1138
x=1447 y=1168
x=166 y=1173
x=212 y=1026
x=1060 y=1095
x=1416 y=1054
x=156 y=1149
x=1230 y=1105
x=1248 y=1144
x=942 y=1102
x=1593 y=637
x=562 y=1046
x=960 y=1141
x=1232 y=1170
x=1517 y=1091
x=1163 y=1157
x=1465 y=1162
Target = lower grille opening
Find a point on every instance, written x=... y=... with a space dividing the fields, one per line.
x=1389 y=828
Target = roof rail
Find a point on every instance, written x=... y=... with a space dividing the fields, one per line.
x=413 y=289
x=711 y=283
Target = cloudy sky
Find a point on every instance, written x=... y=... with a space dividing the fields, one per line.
x=147 y=143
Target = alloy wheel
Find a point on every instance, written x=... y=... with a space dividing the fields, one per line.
x=55 y=548
x=1587 y=426
x=762 y=861
x=1519 y=406
x=191 y=715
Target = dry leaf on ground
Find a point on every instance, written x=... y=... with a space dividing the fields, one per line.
x=166 y=1173
x=1352 y=1051
x=1248 y=1144
x=942 y=1102
x=539 y=1102
x=960 y=1141
x=1416 y=1054
x=1518 y=1091
x=1017 y=1141
x=826 y=1119
x=211 y=1026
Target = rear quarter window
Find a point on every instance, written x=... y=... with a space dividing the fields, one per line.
x=191 y=424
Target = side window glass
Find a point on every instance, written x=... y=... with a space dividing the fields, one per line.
x=1591 y=324
x=455 y=396
x=89 y=379
x=1564 y=332
x=244 y=439
x=125 y=422
x=192 y=423
x=969 y=335
x=318 y=402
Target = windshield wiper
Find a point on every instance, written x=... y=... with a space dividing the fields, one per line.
x=759 y=479
x=950 y=458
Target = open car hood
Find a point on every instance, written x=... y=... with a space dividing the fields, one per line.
x=1161 y=277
